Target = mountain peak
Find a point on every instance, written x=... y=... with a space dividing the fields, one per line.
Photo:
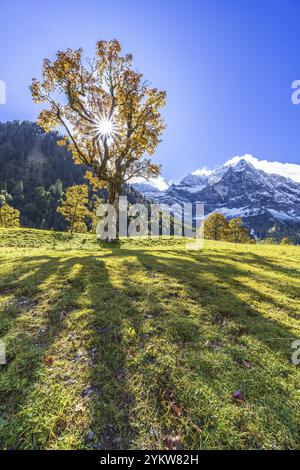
x=240 y=165
x=193 y=179
x=287 y=170
x=240 y=188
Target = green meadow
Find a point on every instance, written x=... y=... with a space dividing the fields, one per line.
x=142 y=345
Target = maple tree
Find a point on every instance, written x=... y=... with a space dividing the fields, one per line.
x=110 y=114
x=74 y=207
x=9 y=217
x=215 y=226
x=237 y=233
x=286 y=241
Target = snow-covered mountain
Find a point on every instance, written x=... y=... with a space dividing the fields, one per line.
x=237 y=189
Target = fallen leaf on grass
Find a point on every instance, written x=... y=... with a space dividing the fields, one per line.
x=247 y=364
x=131 y=354
x=49 y=360
x=177 y=410
x=167 y=396
x=212 y=345
x=243 y=363
x=197 y=428
x=80 y=408
x=239 y=397
x=172 y=443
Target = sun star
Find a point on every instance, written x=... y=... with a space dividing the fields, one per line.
x=104 y=128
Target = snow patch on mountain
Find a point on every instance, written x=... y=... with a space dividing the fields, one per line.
x=284 y=216
x=288 y=170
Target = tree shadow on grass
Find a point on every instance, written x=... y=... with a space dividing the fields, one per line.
x=28 y=339
x=221 y=293
x=31 y=335
x=126 y=340
x=249 y=335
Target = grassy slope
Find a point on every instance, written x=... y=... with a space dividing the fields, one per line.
x=96 y=336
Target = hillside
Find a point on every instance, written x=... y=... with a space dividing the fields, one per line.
x=34 y=173
x=100 y=356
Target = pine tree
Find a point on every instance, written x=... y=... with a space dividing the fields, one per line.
x=57 y=188
x=74 y=207
x=215 y=226
x=18 y=189
x=5 y=197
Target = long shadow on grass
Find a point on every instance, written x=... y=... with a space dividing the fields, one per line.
x=106 y=392
x=219 y=296
x=249 y=328
x=30 y=342
x=192 y=271
x=111 y=310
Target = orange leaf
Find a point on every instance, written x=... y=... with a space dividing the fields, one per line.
x=177 y=410
x=49 y=360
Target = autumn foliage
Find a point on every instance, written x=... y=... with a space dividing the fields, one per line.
x=81 y=93
x=74 y=208
x=9 y=217
x=217 y=227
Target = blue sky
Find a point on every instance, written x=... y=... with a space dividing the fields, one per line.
x=227 y=67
